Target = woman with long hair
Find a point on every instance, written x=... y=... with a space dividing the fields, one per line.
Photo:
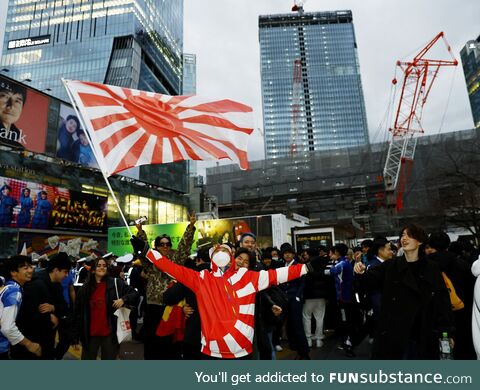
x=415 y=307
x=96 y=303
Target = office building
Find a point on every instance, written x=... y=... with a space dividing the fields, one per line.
x=129 y=43
x=311 y=86
x=135 y=44
x=189 y=74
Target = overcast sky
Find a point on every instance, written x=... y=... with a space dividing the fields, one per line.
x=224 y=36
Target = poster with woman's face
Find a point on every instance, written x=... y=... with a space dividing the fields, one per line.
x=72 y=140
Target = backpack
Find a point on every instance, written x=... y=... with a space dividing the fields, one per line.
x=455 y=301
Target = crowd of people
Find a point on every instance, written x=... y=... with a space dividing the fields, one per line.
x=246 y=302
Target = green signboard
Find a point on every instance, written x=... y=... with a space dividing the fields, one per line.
x=214 y=231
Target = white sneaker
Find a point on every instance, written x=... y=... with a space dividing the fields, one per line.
x=278 y=348
x=309 y=341
x=319 y=343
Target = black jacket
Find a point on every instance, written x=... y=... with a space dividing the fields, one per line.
x=317 y=284
x=37 y=326
x=82 y=307
x=294 y=289
x=415 y=306
x=458 y=271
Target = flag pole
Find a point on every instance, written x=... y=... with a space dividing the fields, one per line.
x=104 y=174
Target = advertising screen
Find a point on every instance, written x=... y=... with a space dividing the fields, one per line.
x=37 y=206
x=72 y=141
x=312 y=238
x=23 y=116
x=208 y=232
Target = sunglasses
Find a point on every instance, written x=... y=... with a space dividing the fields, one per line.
x=164 y=244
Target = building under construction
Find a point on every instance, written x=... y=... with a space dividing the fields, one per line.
x=345 y=188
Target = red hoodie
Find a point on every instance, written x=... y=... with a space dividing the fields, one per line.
x=226 y=302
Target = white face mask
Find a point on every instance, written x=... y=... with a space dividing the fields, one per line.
x=221 y=259
x=274 y=258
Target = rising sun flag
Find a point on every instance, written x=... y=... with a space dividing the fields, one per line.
x=129 y=128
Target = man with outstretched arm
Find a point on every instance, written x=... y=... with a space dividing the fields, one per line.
x=226 y=297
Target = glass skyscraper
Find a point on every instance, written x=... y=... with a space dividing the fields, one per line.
x=470 y=55
x=129 y=43
x=189 y=74
x=311 y=87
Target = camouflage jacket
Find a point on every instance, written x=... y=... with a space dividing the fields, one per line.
x=158 y=281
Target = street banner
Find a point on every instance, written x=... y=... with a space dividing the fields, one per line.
x=208 y=232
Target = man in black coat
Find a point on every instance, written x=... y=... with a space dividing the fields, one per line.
x=294 y=290
x=43 y=306
x=415 y=308
x=317 y=290
x=458 y=271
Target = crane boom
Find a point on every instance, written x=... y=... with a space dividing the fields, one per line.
x=419 y=75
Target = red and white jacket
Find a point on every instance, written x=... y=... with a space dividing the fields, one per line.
x=226 y=302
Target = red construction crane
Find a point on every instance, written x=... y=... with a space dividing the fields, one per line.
x=298 y=6
x=419 y=75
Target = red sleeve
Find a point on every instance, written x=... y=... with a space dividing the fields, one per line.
x=186 y=276
x=278 y=276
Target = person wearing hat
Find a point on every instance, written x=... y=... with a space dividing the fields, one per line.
x=225 y=295
x=82 y=274
x=12 y=99
x=7 y=203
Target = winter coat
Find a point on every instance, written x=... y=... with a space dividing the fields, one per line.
x=34 y=325
x=317 y=284
x=82 y=308
x=415 y=306
x=294 y=288
x=458 y=271
x=476 y=308
x=342 y=272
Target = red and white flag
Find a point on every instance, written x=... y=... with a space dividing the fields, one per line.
x=129 y=128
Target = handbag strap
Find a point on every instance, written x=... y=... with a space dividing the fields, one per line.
x=116 y=288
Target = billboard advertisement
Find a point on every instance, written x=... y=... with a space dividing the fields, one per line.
x=311 y=238
x=45 y=244
x=209 y=231
x=23 y=116
x=37 y=206
x=72 y=141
